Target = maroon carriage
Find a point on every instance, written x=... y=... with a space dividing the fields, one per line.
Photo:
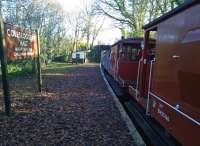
x=168 y=85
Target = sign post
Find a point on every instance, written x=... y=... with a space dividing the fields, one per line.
x=39 y=64
x=4 y=70
x=17 y=44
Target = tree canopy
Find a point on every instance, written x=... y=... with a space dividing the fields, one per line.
x=63 y=32
x=131 y=15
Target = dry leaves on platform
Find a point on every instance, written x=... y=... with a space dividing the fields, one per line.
x=75 y=109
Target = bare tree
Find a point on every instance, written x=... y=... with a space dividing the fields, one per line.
x=93 y=25
x=85 y=27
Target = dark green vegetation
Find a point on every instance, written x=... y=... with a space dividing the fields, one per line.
x=20 y=68
x=57 y=67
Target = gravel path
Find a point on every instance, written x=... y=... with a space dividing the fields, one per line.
x=76 y=110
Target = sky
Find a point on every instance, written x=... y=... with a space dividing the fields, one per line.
x=73 y=5
x=109 y=35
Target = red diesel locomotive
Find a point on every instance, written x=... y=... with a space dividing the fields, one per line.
x=163 y=75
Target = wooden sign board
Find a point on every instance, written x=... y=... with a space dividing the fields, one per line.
x=20 y=43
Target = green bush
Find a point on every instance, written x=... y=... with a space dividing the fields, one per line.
x=61 y=58
x=20 y=68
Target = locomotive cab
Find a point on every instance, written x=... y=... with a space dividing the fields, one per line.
x=126 y=63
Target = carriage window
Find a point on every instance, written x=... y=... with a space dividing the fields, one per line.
x=192 y=36
x=132 y=53
x=152 y=44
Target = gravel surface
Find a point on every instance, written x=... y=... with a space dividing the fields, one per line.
x=76 y=109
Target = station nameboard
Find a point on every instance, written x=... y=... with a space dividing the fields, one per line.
x=20 y=43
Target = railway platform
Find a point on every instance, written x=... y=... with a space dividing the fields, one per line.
x=76 y=108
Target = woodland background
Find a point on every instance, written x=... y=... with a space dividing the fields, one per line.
x=62 y=32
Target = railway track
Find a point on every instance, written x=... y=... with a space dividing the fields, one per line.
x=152 y=133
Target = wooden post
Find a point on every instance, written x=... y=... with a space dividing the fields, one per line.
x=39 y=64
x=34 y=66
x=3 y=59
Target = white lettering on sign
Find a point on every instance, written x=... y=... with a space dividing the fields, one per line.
x=18 y=34
x=164 y=115
x=23 y=49
x=23 y=54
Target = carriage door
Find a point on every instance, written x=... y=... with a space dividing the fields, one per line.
x=188 y=59
x=147 y=64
